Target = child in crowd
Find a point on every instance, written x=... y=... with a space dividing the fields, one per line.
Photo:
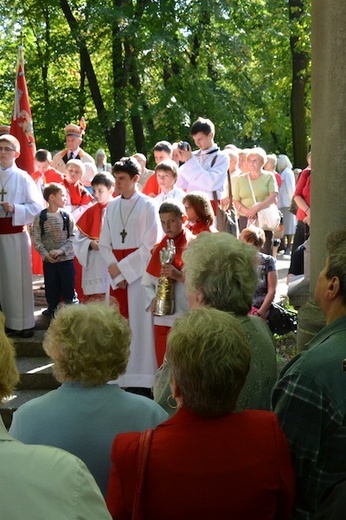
x=78 y=201
x=167 y=174
x=172 y=216
x=78 y=198
x=86 y=244
x=53 y=234
x=162 y=151
x=199 y=212
x=43 y=175
x=267 y=274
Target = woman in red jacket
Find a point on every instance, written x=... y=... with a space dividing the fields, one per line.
x=206 y=461
x=302 y=199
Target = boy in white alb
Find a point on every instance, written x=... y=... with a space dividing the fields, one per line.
x=19 y=203
x=86 y=243
x=130 y=231
x=167 y=174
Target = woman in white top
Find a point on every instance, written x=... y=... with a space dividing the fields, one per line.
x=286 y=193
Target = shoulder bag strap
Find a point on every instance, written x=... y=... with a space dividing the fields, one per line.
x=214 y=192
x=215 y=198
x=251 y=188
x=142 y=459
x=230 y=194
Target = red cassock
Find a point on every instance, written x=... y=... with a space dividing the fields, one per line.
x=51 y=175
x=154 y=268
x=197 y=228
x=151 y=187
x=233 y=467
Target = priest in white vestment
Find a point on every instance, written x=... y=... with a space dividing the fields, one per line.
x=19 y=204
x=129 y=233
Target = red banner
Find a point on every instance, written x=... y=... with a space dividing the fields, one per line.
x=21 y=125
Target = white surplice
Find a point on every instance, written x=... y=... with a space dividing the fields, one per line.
x=206 y=171
x=141 y=222
x=16 y=295
x=94 y=269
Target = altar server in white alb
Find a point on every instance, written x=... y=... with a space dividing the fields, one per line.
x=129 y=233
x=206 y=169
x=19 y=204
x=86 y=242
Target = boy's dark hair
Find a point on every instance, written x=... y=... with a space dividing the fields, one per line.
x=202 y=125
x=173 y=207
x=105 y=179
x=201 y=205
x=163 y=146
x=169 y=166
x=127 y=165
x=51 y=189
x=43 y=155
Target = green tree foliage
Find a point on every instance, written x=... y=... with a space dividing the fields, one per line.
x=144 y=70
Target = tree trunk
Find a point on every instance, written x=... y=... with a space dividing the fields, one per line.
x=115 y=135
x=300 y=62
x=43 y=52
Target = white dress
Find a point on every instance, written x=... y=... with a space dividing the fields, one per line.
x=94 y=269
x=286 y=192
x=16 y=295
x=141 y=223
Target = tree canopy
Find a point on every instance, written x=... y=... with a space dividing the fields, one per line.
x=143 y=70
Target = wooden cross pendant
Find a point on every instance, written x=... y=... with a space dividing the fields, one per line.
x=123 y=235
x=3 y=193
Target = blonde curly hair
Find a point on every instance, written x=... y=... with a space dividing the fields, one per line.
x=89 y=343
x=223 y=269
x=209 y=360
x=9 y=375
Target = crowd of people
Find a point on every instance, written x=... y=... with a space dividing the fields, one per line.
x=145 y=295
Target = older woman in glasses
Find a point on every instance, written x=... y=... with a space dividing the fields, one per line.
x=254 y=191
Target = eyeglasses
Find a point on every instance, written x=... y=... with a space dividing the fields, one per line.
x=7 y=149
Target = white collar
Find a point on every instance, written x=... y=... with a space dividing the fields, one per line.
x=10 y=169
x=212 y=149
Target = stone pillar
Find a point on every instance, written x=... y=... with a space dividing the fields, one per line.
x=328 y=181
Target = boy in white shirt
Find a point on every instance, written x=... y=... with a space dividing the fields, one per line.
x=167 y=175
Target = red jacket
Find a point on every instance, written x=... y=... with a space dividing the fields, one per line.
x=197 y=228
x=303 y=190
x=152 y=186
x=51 y=175
x=237 y=466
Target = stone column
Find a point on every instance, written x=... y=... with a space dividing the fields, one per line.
x=328 y=181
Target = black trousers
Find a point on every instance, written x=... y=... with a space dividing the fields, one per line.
x=59 y=283
x=302 y=233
